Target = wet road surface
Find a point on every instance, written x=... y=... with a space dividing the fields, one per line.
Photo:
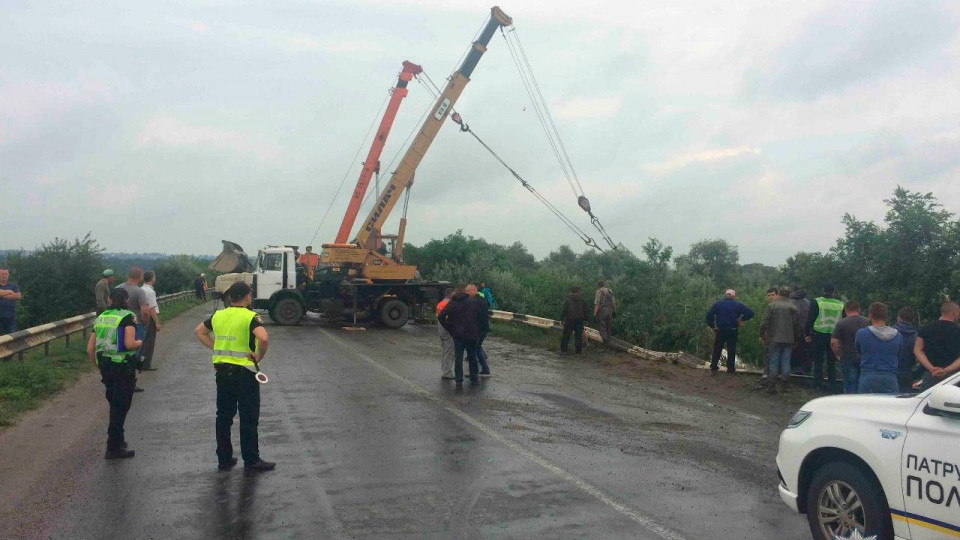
x=370 y=442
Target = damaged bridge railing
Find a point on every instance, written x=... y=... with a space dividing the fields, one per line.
x=594 y=335
x=17 y=343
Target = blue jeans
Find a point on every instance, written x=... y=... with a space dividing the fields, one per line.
x=851 y=374
x=8 y=325
x=482 y=355
x=878 y=382
x=468 y=346
x=779 y=359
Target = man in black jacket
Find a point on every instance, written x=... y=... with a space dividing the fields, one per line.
x=483 y=314
x=575 y=311
x=461 y=318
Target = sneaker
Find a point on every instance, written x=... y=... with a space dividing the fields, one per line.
x=485 y=374
x=227 y=465
x=448 y=377
x=259 y=466
x=121 y=453
x=137 y=389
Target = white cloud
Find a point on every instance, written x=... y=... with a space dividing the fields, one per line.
x=683 y=160
x=171 y=132
x=595 y=107
x=307 y=43
x=28 y=101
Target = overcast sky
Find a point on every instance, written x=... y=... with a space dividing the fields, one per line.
x=168 y=126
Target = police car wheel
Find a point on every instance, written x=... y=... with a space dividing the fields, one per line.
x=394 y=313
x=842 y=498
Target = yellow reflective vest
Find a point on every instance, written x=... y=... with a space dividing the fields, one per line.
x=108 y=343
x=231 y=343
x=830 y=311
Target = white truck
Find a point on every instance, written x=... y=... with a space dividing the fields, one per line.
x=332 y=292
x=883 y=466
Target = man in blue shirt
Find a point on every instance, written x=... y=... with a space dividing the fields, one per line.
x=725 y=318
x=9 y=294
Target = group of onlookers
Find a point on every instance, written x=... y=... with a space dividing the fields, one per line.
x=576 y=313
x=464 y=322
x=141 y=301
x=464 y=317
x=872 y=356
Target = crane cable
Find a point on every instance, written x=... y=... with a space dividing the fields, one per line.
x=539 y=103
x=455 y=116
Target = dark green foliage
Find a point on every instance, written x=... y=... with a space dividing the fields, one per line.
x=911 y=260
x=176 y=273
x=56 y=280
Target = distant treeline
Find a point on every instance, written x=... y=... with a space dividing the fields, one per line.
x=912 y=259
x=57 y=279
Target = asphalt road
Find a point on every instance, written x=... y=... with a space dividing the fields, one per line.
x=371 y=443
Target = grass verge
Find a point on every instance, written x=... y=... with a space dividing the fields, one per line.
x=26 y=385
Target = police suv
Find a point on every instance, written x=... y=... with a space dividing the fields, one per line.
x=879 y=465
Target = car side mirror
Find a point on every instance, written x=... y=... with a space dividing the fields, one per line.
x=945 y=399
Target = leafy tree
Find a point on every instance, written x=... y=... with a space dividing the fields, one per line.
x=714 y=258
x=56 y=280
x=176 y=273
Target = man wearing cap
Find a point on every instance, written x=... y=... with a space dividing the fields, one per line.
x=238 y=347
x=725 y=318
x=102 y=290
x=824 y=314
x=309 y=261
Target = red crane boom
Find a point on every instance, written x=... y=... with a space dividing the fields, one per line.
x=373 y=156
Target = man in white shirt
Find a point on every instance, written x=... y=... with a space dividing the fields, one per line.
x=153 y=323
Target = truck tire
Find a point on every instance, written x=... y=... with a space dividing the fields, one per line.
x=394 y=313
x=287 y=312
x=842 y=497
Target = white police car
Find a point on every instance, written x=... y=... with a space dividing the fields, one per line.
x=880 y=465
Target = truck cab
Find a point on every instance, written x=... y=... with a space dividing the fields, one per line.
x=274 y=271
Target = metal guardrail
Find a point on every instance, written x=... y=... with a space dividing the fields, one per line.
x=21 y=341
x=594 y=335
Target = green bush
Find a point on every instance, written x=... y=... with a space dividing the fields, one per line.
x=176 y=273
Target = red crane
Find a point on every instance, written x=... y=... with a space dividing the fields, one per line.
x=372 y=163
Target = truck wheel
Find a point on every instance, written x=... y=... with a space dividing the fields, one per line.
x=287 y=312
x=841 y=499
x=394 y=313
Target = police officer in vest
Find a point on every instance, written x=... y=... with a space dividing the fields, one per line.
x=823 y=316
x=239 y=343
x=112 y=348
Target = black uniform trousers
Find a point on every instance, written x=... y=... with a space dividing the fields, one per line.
x=119 y=379
x=821 y=349
x=574 y=326
x=237 y=391
x=725 y=337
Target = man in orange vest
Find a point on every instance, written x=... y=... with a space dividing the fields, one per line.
x=446 y=340
x=309 y=260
